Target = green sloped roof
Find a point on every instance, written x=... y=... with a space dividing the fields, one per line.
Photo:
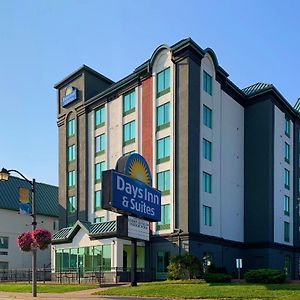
x=46 y=196
x=95 y=229
x=103 y=227
x=297 y=105
x=61 y=234
x=256 y=88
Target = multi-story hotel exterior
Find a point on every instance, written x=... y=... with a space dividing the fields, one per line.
x=225 y=159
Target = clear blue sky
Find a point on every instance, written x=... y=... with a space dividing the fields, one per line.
x=43 y=41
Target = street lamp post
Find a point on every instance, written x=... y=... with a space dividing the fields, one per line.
x=4 y=176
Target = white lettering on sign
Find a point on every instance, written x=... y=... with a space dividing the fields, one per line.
x=137 y=197
x=136 y=192
x=138 y=229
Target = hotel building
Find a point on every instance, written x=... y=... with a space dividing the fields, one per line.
x=225 y=159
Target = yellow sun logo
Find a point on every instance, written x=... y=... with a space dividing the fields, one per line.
x=137 y=169
x=69 y=90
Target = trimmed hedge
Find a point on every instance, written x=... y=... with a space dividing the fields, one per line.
x=264 y=276
x=217 y=278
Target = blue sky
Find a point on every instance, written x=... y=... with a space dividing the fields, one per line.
x=43 y=41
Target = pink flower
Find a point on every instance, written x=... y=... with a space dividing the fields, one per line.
x=25 y=240
x=38 y=238
x=42 y=237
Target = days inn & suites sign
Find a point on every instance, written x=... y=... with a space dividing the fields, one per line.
x=128 y=189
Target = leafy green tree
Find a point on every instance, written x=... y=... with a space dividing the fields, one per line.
x=185 y=266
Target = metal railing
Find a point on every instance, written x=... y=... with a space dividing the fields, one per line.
x=79 y=275
x=16 y=275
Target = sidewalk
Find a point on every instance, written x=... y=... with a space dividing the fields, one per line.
x=85 y=294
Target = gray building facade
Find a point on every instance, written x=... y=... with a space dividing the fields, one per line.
x=226 y=160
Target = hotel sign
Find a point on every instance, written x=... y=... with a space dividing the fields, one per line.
x=70 y=96
x=138 y=229
x=131 y=193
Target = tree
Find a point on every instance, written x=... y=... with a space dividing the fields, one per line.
x=185 y=266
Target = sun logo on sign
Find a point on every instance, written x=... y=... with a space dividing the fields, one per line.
x=69 y=90
x=137 y=169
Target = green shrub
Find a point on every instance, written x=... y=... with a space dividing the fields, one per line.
x=264 y=276
x=176 y=271
x=217 y=278
x=185 y=266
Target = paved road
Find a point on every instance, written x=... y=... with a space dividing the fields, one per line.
x=86 y=294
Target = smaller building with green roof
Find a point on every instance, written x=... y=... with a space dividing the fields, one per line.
x=12 y=223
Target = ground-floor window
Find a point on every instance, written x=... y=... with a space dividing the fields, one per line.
x=87 y=258
x=3 y=265
x=140 y=264
x=162 y=261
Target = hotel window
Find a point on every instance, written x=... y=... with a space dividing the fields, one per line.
x=287 y=152
x=287 y=128
x=71 y=179
x=55 y=225
x=207 y=83
x=165 y=218
x=286 y=231
x=287 y=179
x=98 y=203
x=71 y=153
x=100 y=117
x=163 y=82
x=163 y=150
x=163 y=116
x=128 y=133
x=71 y=128
x=287 y=205
x=163 y=182
x=128 y=103
x=72 y=204
x=99 y=220
x=207 y=149
x=207 y=116
x=100 y=144
x=162 y=261
x=207 y=179
x=207 y=215
x=3 y=265
x=3 y=242
x=99 y=167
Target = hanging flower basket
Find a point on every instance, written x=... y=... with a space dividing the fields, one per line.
x=25 y=240
x=42 y=237
x=38 y=238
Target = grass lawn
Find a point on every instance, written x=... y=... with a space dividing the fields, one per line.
x=44 y=288
x=203 y=290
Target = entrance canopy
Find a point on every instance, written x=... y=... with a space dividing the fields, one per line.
x=95 y=230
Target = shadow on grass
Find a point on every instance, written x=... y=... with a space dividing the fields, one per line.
x=174 y=282
x=287 y=287
x=271 y=287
